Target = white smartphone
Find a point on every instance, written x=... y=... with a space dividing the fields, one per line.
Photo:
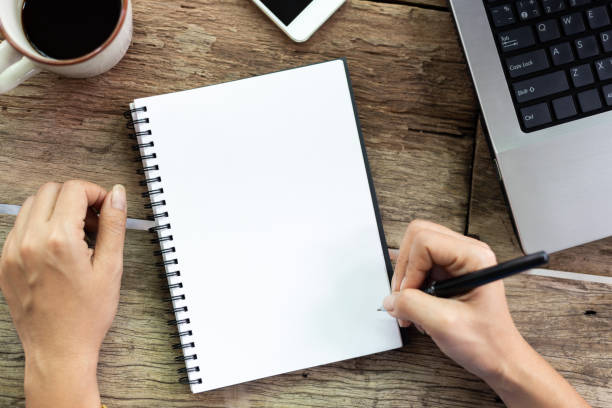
x=299 y=19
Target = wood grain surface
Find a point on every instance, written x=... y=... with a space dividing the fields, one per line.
x=489 y=220
x=439 y=4
x=137 y=369
x=418 y=114
x=413 y=93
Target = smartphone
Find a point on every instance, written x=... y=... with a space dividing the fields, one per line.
x=299 y=19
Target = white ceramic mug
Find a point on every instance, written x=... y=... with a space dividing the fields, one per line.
x=19 y=60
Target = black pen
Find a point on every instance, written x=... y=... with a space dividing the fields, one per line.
x=465 y=283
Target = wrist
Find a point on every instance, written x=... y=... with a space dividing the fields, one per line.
x=511 y=358
x=524 y=378
x=66 y=381
x=508 y=373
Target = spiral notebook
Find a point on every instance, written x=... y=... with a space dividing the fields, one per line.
x=268 y=224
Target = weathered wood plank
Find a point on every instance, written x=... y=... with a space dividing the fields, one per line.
x=423 y=3
x=413 y=93
x=490 y=220
x=551 y=315
x=137 y=369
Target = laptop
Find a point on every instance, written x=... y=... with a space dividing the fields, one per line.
x=542 y=70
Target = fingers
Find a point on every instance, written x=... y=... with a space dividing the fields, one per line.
x=412 y=231
x=415 y=251
x=108 y=254
x=75 y=197
x=427 y=311
x=23 y=217
x=393 y=254
x=44 y=202
x=413 y=228
x=456 y=256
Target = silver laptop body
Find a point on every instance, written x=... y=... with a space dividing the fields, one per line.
x=558 y=180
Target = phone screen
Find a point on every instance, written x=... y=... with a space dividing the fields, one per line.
x=286 y=10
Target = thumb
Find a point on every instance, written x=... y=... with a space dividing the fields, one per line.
x=108 y=255
x=416 y=306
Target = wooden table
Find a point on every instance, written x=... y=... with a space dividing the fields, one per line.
x=420 y=122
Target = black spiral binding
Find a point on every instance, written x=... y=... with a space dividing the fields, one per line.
x=165 y=227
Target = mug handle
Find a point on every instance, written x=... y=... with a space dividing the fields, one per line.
x=14 y=69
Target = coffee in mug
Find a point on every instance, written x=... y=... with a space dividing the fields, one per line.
x=67 y=29
x=73 y=38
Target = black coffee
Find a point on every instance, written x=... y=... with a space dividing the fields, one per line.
x=67 y=29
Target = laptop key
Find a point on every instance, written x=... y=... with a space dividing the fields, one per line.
x=582 y=75
x=575 y=3
x=587 y=47
x=527 y=63
x=535 y=115
x=572 y=24
x=564 y=107
x=528 y=9
x=502 y=15
x=598 y=17
x=558 y=57
x=606 y=40
x=540 y=86
x=607 y=91
x=589 y=100
x=553 y=6
x=604 y=68
x=562 y=53
x=548 y=30
x=516 y=39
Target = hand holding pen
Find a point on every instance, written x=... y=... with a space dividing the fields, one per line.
x=462 y=284
x=475 y=329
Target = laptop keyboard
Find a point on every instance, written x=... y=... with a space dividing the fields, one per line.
x=557 y=57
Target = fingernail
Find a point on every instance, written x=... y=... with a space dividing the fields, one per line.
x=118 y=200
x=402 y=284
x=389 y=302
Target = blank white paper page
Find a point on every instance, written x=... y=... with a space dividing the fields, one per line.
x=273 y=224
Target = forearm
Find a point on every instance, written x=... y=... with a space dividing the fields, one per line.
x=527 y=380
x=61 y=383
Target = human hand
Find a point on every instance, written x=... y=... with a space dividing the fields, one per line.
x=475 y=329
x=62 y=295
